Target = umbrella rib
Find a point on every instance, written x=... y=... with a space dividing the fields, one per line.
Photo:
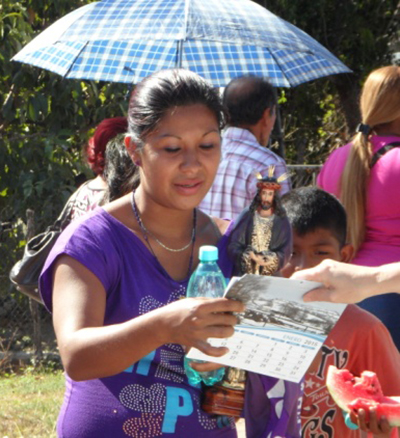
x=179 y=44
x=282 y=71
x=186 y=18
x=179 y=53
x=72 y=63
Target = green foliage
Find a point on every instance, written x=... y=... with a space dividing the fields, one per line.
x=356 y=31
x=44 y=122
x=312 y=123
x=321 y=115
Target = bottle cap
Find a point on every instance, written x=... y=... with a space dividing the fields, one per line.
x=208 y=253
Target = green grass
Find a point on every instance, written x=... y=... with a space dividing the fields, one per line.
x=29 y=404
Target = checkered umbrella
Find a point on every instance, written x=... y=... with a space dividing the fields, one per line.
x=126 y=40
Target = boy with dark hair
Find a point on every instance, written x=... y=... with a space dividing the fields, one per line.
x=359 y=341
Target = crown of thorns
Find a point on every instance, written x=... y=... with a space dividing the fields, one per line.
x=270 y=181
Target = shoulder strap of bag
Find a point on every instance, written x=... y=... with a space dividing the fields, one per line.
x=382 y=151
x=65 y=216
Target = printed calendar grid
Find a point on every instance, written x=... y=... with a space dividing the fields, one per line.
x=266 y=353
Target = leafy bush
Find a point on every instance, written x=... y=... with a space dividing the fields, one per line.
x=44 y=122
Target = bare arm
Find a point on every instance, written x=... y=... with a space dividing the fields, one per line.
x=91 y=350
x=345 y=283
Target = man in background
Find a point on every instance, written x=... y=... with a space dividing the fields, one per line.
x=250 y=103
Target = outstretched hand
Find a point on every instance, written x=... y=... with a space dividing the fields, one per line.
x=192 y=321
x=342 y=283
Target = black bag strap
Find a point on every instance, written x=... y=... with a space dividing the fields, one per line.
x=382 y=151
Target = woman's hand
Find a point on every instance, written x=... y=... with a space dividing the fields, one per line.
x=191 y=321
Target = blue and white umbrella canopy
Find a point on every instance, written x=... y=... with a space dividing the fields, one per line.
x=126 y=40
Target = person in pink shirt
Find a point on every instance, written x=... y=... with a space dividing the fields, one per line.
x=365 y=176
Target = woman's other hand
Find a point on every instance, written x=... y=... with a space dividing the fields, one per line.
x=192 y=321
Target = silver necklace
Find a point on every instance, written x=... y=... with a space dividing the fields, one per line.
x=147 y=232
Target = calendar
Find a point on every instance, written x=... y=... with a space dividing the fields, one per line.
x=278 y=334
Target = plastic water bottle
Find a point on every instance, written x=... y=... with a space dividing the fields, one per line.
x=206 y=281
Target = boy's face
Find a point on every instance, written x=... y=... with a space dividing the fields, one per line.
x=310 y=249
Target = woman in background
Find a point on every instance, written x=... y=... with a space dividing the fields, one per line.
x=91 y=194
x=365 y=176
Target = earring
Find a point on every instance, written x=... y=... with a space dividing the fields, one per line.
x=137 y=163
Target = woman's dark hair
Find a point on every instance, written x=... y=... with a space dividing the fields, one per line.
x=120 y=173
x=164 y=90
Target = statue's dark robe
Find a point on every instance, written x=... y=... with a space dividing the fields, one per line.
x=241 y=236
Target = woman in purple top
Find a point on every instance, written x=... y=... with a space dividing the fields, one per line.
x=114 y=279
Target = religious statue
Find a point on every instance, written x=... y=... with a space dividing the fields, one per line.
x=261 y=241
x=261 y=244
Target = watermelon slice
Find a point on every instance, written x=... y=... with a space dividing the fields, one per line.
x=353 y=393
